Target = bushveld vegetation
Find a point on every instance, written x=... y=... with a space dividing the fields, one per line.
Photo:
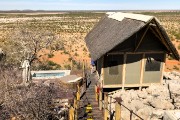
x=64 y=48
x=71 y=29
x=171 y=22
x=24 y=103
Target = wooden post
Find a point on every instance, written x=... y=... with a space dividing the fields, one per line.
x=102 y=73
x=118 y=111
x=124 y=71
x=71 y=113
x=75 y=103
x=142 y=71
x=96 y=94
x=100 y=100
x=162 y=68
x=78 y=93
x=105 y=106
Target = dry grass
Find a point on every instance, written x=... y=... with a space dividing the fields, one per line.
x=72 y=28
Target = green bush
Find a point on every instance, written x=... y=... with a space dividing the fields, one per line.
x=176 y=68
x=67 y=66
x=50 y=55
x=179 y=47
x=75 y=54
x=51 y=63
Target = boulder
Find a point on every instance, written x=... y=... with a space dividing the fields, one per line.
x=157 y=114
x=125 y=115
x=145 y=113
x=133 y=95
x=142 y=94
x=136 y=105
x=162 y=104
x=177 y=105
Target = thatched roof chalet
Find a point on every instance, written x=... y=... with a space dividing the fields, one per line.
x=115 y=28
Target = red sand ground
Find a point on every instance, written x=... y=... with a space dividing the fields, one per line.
x=62 y=59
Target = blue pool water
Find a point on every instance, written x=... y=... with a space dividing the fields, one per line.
x=44 y=75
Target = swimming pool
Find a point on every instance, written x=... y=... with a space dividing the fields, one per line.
x=49 y=74
x=60 y=74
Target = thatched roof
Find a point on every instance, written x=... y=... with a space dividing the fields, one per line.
x=115 y=28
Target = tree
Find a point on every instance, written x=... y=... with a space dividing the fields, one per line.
x=27 y=42
x=29 y=103
x=25 y=45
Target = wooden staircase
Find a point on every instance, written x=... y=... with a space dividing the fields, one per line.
x=89 y=97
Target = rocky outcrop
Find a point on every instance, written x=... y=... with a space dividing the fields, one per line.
x=151 y=102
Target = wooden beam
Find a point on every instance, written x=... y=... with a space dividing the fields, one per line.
x=113 y=86
x=124 y=71
x=156 y=33
x=105 y=106
x=102 y=72
x=118 y=111
x=71 y=113
x=96 y=93
x=100 y=100
x=130 y=85
x=117 y=53
x=160 y=34
x=142 y=38
x=142 y=70
x=162 y=69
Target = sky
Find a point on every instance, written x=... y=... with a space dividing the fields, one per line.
x=90 y=4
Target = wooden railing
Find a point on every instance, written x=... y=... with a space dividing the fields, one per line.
x=109 y=114
x=80 y=90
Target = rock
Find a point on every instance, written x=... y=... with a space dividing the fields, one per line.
x=125 y=115
x=157 y=114
x=162 y=104
x=177 y=105
x=149 y=91
x=145 y=113
x=133 y=95
x=142 y=95
x=136 y=105
x=127 y=104
x=177 y=99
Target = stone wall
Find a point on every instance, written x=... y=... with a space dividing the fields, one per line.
x=151 y=102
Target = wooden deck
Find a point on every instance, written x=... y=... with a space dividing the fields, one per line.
x=89 y=97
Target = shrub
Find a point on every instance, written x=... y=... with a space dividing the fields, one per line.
x=51 y=63
x=50 y=55
x=176 y=68
x=69 y=59
x=179 y=47
x=75 y=54
x=84 y=49
x=67 y=66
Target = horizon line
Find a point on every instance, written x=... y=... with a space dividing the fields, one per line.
x=97 y=10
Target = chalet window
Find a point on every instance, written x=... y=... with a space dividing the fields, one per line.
x=114 y=64
x=152 y=64
x=113 y=67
